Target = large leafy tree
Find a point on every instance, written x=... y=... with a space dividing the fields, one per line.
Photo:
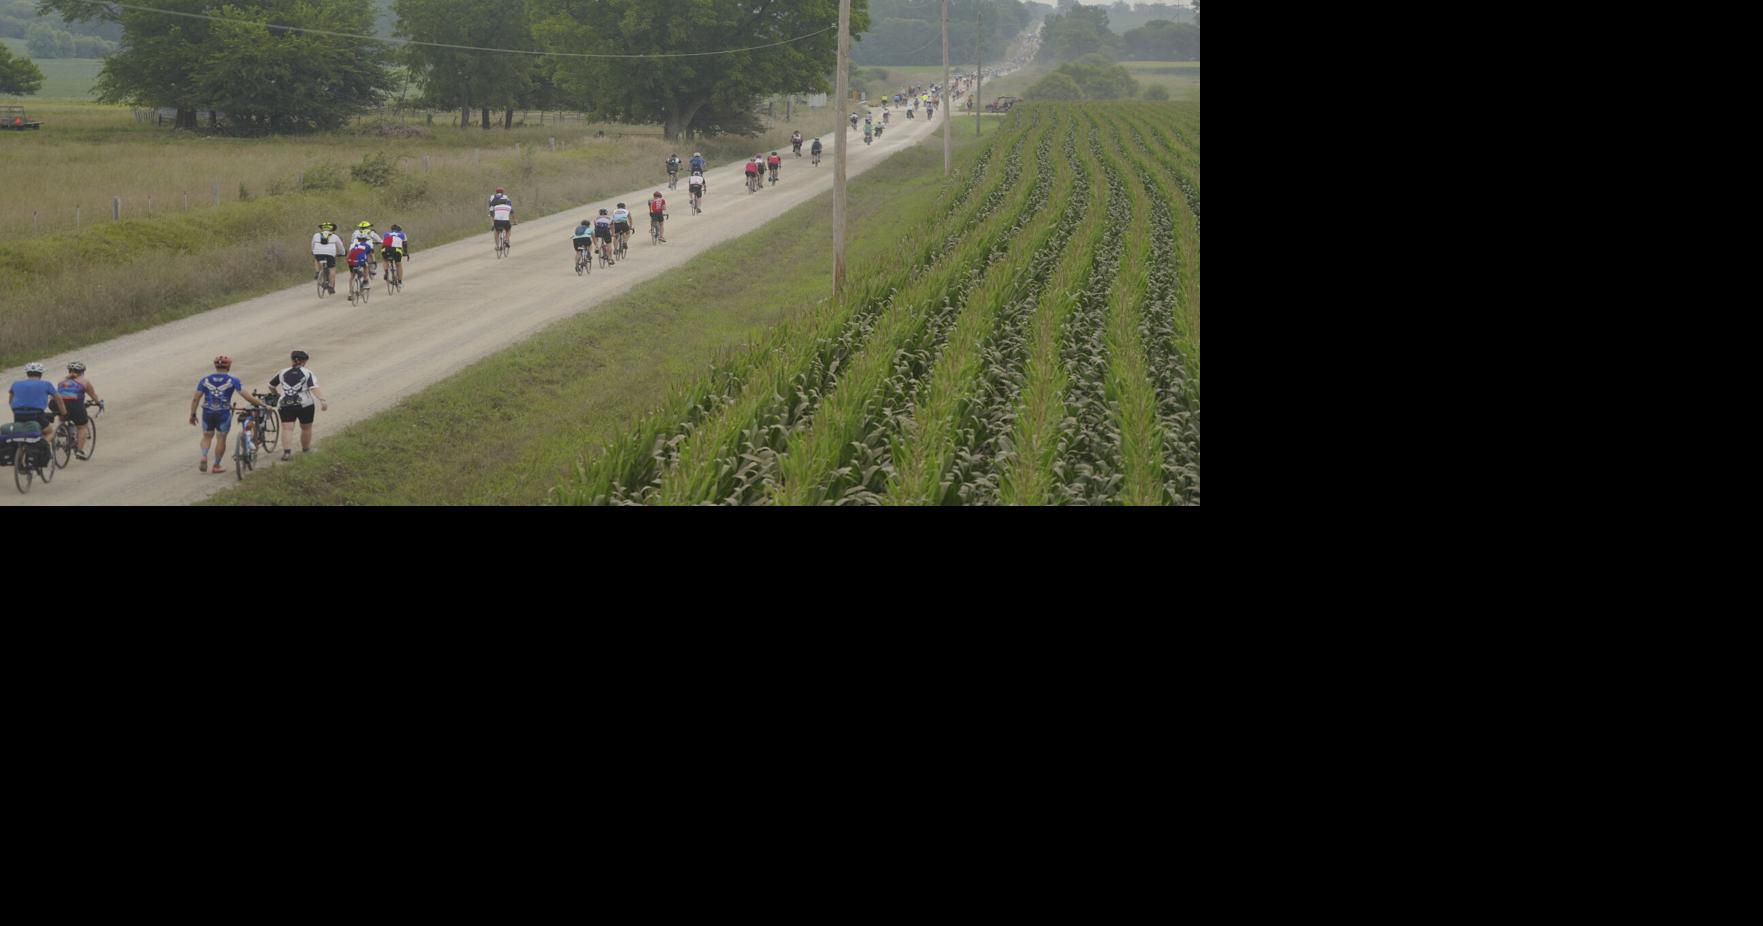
x=703 y=93
x=1075 y=32
x=265 y=79
x=1161 y=40
x=18 y=75
x=469 y=80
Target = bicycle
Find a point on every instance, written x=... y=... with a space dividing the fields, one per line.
x=323 y=286
x=655 y=228
x=604 y=249
x=26 y=463
x=622 y=243
x=816 y=160
x=774 y=176
x=394 y=276
x=673 y=179
x=584 y=262
x=259 y=430
x=697 y=199
x=358 y=286
x=67 y=437
x=502 y=245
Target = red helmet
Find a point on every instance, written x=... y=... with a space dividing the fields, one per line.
x=500 y=190
x=657 y=192
x=223 y=361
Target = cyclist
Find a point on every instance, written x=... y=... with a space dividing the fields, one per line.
x=878 y=130
x=621 y=226
x=374 y=237
x=30 y=399
x=696 y=184
x=796 y=143
x=603 y=231
x=502 y=217
x=884 y=116
x=774 y=164
x=815 y=150
x=853 y=122
x=752 y=170
x=582 y=237
x=658 y=216
x=395 y=248
x=215 y=393
x=698 y=162
x=327 y=246
x=297 y=385
x=868 y=134
x=672 y=170
x=73 y=391
x=360 y=253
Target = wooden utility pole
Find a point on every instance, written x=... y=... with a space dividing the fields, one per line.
x=842 y=81
x=948 y=95
x=979 y=67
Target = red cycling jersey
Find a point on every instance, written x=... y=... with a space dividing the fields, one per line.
x=657 y=206
x=752 y=168
x=774 y=160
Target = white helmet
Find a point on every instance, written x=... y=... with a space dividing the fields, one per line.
x=33 y=368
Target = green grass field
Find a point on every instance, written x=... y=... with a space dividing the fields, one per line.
x=1180 y=78
x=63 y=78
x=567 y=392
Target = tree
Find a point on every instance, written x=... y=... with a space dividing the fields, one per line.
x=1055 y=86
x=1078 y=31
x=1100 y=78
x=1161 y=40
x=703 y=93
x=1156 y=92
x=469 y=79
x=19 y=76
x=278 y=80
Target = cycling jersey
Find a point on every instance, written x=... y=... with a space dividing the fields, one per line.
x=394 y=240
x=773 y=161
x=582 y=232
x=327 y=244
x=500 y=198
x=217 y=391
x=359 y=254
x=621 y=216
x=673 y=165
x=697 y=163
x=71 y=390
x=657 y=206
x=696 y=181
x=296 y=384
x=817 y=147
x=603 y=223
x=502 y=211
x=752 y=168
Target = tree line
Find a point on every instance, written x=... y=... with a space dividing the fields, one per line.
x=264 y=79
x=1076 y=30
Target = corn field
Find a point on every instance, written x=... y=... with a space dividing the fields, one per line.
x=1037 y=343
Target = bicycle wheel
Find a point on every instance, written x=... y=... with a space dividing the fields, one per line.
x=61 y=449
x=240 y=460
x=46 y=471
x=91 y=436
x=319 y=279
x=269 y=431
x=21 y=467
x=578 y=263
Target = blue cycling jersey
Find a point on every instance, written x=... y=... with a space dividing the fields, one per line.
x=217 y=391
x=71 y=389
x=583 y=231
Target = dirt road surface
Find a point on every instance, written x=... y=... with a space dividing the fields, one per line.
x=461 y=304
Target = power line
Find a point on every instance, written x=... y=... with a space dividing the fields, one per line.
x=507 y=51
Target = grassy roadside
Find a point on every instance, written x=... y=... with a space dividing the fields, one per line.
x=508 y=428
x=71 y=288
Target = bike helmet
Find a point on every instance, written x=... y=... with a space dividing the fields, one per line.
x=602 y=212
x=657 y=192
x=397 y=228
x=365 y=225
x=621 y=205
x=774 y=152
x=36 y=368
x=76 y=367
x=299 y=355
x=697 y=154
x=500 y=190
x=327 y=226
x=223 y=362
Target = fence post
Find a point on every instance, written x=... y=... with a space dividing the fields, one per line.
x=116 y=208
x=186 y=201
x=300 y=181
x=33 y=221
x=76 y=217
x=217 y=194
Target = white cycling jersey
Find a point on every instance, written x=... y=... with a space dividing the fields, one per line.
x=697 y=180
x=331 y=248
x=502 y=212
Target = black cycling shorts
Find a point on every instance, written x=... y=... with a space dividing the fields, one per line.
x=392 y=254
x=503 y=224
x=604 y=234
x=76 y=411
x=304 y=413
x=329 y=260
